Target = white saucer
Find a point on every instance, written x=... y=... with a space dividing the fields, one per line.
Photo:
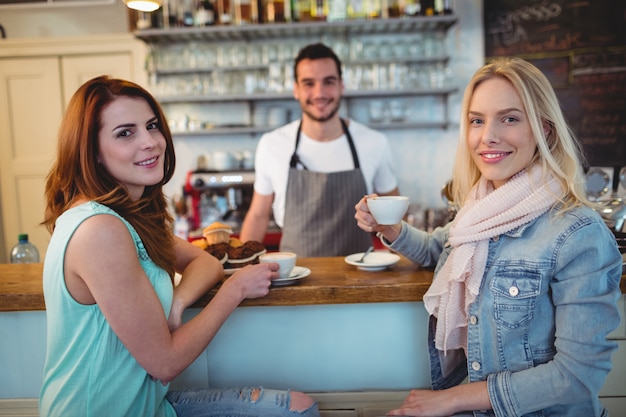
x=297 y=274
x=375 y=261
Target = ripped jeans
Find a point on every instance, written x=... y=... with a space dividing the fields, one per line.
x=216 y=402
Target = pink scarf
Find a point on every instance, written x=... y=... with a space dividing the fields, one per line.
x=487 y=213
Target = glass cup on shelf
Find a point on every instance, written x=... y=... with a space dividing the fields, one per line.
x=383 y=77
x=415 y=46
x=396 y=111
x=253 y=54
x=371 y=50
x=385 y=50
x=376 y=111
x=356 y=50
x=206 y=56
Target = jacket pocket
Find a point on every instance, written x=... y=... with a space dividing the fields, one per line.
x=515 y=290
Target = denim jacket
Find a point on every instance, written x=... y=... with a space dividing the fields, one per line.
x=537 y=330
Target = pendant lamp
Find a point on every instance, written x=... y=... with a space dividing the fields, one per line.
x=143 y=5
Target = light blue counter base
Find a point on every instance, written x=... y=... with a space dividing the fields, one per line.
x=318 y=348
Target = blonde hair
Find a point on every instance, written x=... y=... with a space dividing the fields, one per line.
x=557 y=151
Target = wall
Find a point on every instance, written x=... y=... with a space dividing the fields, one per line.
x=424 y=156
x=54 y=21
x=581 y=47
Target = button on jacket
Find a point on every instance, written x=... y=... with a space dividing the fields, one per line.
x=537 y=330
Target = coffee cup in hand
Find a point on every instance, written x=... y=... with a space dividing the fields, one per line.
x=286 y=262
x=388 y=209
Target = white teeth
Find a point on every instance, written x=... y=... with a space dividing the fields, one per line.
x=148 y=162
x=493 y=155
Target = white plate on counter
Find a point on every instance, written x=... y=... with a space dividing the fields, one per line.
x=375 y=261
x=297 y=274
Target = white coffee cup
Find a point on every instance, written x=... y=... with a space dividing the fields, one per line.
x=286 y=261
x=388 y=209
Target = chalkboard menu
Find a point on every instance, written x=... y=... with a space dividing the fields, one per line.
x=581 y=47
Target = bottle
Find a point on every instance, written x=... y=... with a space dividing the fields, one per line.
x=187 y=13
x=413 y=8
x=319 y=10
x=428 y=7
x=224 y=12
x=24 y=252
x=303 y=10
x=243 y=12
x=337 y=10
x=182 y=222
x=438 y=7
x=205 y=15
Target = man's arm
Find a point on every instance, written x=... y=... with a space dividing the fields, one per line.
x=257 y=218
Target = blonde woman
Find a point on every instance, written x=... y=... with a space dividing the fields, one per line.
x=527 y=275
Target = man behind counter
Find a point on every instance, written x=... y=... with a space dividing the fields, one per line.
x=311 y=171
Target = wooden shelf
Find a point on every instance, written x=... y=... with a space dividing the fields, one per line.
x=259 y=32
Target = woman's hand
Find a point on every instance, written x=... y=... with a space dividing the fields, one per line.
x=446 y=402
x=253 y=281
x=367 y=222
x=424 y=403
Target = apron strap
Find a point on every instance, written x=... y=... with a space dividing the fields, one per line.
x=295 y=159
x=355 y=157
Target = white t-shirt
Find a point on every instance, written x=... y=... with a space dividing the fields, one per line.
x=276 y=147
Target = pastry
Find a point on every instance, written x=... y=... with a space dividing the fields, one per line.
x=201 y=243
x=219 y=251
x=246 y=254
x=217 y=233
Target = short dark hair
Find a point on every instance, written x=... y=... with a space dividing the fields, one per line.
x=315 y=51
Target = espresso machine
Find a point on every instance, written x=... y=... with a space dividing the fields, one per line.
x=222 y=196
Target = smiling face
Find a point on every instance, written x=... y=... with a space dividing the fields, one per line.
x=130 y=145
x=318 y=88
x=499 y=135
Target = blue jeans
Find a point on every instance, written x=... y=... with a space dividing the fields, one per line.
x=216 y=402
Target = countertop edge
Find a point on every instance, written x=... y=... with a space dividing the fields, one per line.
x=21 y=287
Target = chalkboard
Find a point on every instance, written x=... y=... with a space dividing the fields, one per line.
x=581 y=47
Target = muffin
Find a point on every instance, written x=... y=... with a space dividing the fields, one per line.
x=201 y=243
x=257 y=247
x=219 y=251
x=217 y=233
x=246 y=254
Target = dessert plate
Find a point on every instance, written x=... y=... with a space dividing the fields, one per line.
x=297 y=274
x=375 y=261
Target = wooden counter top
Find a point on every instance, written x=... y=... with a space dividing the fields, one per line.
x=21 y=287
x=332 y=281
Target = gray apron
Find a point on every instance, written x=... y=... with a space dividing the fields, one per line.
x=319 y=209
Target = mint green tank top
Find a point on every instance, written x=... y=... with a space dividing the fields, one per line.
x=88 y=372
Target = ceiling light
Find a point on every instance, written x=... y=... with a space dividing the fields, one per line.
x=143 y=5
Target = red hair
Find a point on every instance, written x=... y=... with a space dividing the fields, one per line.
x=76 y=173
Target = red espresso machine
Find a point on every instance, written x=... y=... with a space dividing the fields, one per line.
x=229 y=192
x=228 y=195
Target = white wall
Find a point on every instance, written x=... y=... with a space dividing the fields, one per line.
x=53 y=21
x=424 y=155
